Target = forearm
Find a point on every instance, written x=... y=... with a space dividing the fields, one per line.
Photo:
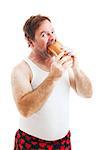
x=34 y=100
x=82 y=83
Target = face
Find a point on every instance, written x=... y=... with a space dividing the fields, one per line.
x=44 y=36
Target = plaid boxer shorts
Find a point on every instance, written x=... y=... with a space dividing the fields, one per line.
x=24 y=141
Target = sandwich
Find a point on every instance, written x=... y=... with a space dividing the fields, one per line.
x=56 y=48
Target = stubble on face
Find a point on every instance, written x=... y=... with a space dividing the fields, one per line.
x=41 y=43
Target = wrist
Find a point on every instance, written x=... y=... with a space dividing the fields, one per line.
x=76 y=69
x=52 y=77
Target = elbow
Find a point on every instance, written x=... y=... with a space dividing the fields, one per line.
x=27 y=107
x=23 y=109
x=89 y=92
x=88 y=96
x=23 y=112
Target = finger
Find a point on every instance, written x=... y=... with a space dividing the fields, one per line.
x=71 y=52
x=67 y=65
x=65 y=59
x=60 y=56
x=68 y=62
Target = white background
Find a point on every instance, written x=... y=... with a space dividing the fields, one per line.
x=77 y=24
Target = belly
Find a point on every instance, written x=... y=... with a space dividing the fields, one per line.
x=51 y=122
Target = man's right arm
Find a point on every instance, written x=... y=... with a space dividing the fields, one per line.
x=27 y=100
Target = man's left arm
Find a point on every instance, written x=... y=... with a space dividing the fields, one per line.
x=79 y=81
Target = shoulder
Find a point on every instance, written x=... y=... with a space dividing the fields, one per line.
x=21 y=70
x=20 y=80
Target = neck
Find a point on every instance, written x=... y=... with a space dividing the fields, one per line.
x=41 y=59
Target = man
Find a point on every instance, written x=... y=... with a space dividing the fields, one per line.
x=40 y=86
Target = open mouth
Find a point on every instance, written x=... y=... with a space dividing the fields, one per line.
x=48 y=44
x=51 y=42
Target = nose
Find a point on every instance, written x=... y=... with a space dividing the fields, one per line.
x=52 y=38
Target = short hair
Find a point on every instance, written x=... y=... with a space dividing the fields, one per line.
x=32 y=24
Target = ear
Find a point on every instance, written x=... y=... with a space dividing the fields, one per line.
x=30 y=43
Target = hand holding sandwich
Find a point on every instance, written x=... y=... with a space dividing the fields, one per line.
x=62 y=60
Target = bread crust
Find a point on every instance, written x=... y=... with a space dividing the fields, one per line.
x=55 y=48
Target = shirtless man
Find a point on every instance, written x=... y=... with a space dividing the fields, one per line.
x=41 y=84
